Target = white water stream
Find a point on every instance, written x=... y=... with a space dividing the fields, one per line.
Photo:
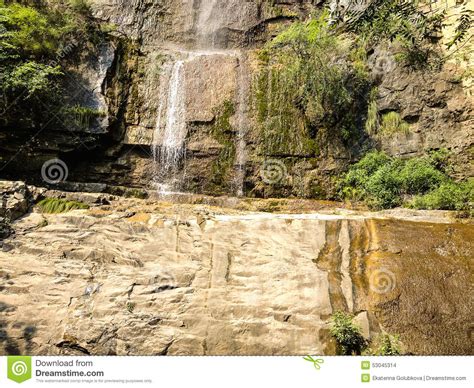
x=242 y=126
x=208 y=23
x=170 y=131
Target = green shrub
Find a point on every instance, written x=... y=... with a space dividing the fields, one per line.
x=400 y=20
x=419 y=57
x=33 y=79
x=57 y=205
x=382 y=188
x=300 y=36
x=440 y=159
x=347 y=334
x=29 y=38
x=389 y=346
x=32 y=35
x=371 y=162
x=385 y=345
x=30 y=32
x=448 y=196
x=350 y=341
x=80 y=6
x=355 y=181
x=418 y=175
x=384 y=182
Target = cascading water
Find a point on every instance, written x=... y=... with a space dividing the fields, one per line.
x=171 y=127
x=170 y=131
x=242 y=125
x=207 y=24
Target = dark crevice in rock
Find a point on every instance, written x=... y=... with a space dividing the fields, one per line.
x=72 y=346
x=329 y=260
x=229 y=265
x=165 y=351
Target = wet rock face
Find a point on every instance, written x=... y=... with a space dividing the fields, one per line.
x=232 y=23
x=137 y=280
x=212 y=82
x=439 y=112
x=126 y=80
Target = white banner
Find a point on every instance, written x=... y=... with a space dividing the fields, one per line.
x=227 y=372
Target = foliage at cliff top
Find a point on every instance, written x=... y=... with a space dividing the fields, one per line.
x=405 y=19
x=386 y=182
x=33 y=38
x=407 y=22
x=28 y=36
x=394 y=19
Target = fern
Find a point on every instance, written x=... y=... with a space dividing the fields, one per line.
x=464 y=25
x=402 y=21
x=393 y=19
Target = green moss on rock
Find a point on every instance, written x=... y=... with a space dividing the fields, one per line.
x=57 y=205
x=223 y=132
x=308 y=81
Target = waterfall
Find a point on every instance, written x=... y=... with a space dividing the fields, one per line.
x=242 y=125
x=207 y=23
x=171 y=126
x=170 y=131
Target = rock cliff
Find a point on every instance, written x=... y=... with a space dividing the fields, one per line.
x=146 y=278
x=127 y=78
x=170 y=95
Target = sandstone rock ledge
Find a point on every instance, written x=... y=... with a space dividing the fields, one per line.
x=133 y=278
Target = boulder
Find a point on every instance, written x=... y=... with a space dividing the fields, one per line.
x=15 y=201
